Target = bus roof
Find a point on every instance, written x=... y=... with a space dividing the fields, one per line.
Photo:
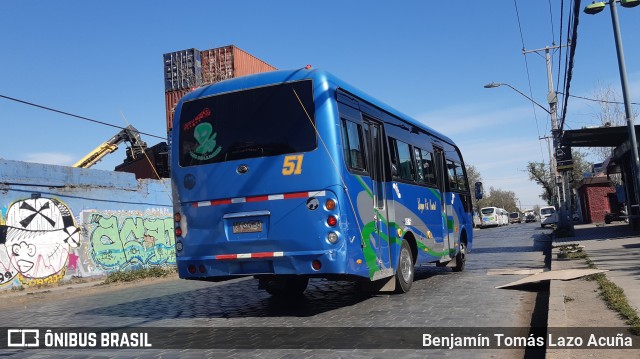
x=317 y=75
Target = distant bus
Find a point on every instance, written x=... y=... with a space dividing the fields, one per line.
x=291 y=175
x=492 y=217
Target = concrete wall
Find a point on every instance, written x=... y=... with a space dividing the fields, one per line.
x=58 y=222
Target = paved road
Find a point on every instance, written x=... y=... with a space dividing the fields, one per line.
x=438 y=298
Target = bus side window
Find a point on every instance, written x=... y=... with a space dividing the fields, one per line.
x=451 y=173
x=352 y=146
x=427 y=163
x=393 y=153
x=460 y=179
x=404 y=158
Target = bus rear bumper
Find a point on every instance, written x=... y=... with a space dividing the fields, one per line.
x=316 y=263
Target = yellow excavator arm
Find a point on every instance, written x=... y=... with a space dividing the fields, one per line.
x=128 y=133
x=96 y=155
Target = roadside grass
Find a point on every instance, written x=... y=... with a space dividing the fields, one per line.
x=132 y=275
x=615 y=298
x=571 y=251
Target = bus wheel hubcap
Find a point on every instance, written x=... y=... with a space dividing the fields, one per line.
x=405 y=265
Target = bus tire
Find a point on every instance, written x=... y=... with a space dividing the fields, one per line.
x=405 y=271
x=461 y=258
x=288 y=286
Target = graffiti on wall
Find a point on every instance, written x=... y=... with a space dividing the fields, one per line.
x=38 y=235
x=130 y=240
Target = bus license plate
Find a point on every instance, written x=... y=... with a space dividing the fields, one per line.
x=247 y=227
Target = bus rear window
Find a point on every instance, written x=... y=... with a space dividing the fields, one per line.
x=260 y=122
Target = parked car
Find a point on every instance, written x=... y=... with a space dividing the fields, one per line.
x=514 y=217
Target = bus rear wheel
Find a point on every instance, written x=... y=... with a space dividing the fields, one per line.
x=405 y=270
x=461 y=258
x=286 y=286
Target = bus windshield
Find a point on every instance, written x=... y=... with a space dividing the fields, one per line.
x=259 y=122
x=488 y=210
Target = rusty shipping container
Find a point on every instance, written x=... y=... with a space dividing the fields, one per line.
x=226 y=62
x=171 y=99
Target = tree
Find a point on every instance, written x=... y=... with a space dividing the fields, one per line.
x=611 y=113
x=541 y=174
x=502 y=199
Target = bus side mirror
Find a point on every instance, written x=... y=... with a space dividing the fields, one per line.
x=479 y=190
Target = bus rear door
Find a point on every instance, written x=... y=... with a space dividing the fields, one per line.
x=442 y=179
x=380 y=242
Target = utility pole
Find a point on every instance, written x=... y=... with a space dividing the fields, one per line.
x=552 y=167
x=563 y=199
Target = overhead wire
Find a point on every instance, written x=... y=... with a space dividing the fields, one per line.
x=572 y=52
x=526 y=63
x=598 y=100
x=76 y=116
x=560 y=50
x=567 y=61
x=553 y=35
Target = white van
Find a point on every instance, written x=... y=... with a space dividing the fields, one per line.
x=548 y=216
x=490 y=216
x=505 y=217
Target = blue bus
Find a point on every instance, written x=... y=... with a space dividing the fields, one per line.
x=291 y=175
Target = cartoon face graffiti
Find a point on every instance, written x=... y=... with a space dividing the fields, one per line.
x=39 y=233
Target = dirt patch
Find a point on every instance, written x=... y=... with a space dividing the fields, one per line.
x=34 y=297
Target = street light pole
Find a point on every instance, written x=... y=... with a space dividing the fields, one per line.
x=635 y=160
x=498 y=84
x=552 y=113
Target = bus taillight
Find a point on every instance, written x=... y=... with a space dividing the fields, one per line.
x=177 y=217
x=330 y=204
x=316 y=264
x=332 y=237
x=178 y=231
x=332 y=221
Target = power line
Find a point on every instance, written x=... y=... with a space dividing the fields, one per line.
x=553 y=35
x=526 y=64
x=72 y=115
x=572 y=52
x=596 y=100
x=560 y=50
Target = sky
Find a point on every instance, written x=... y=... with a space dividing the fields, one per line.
x=430 y=60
